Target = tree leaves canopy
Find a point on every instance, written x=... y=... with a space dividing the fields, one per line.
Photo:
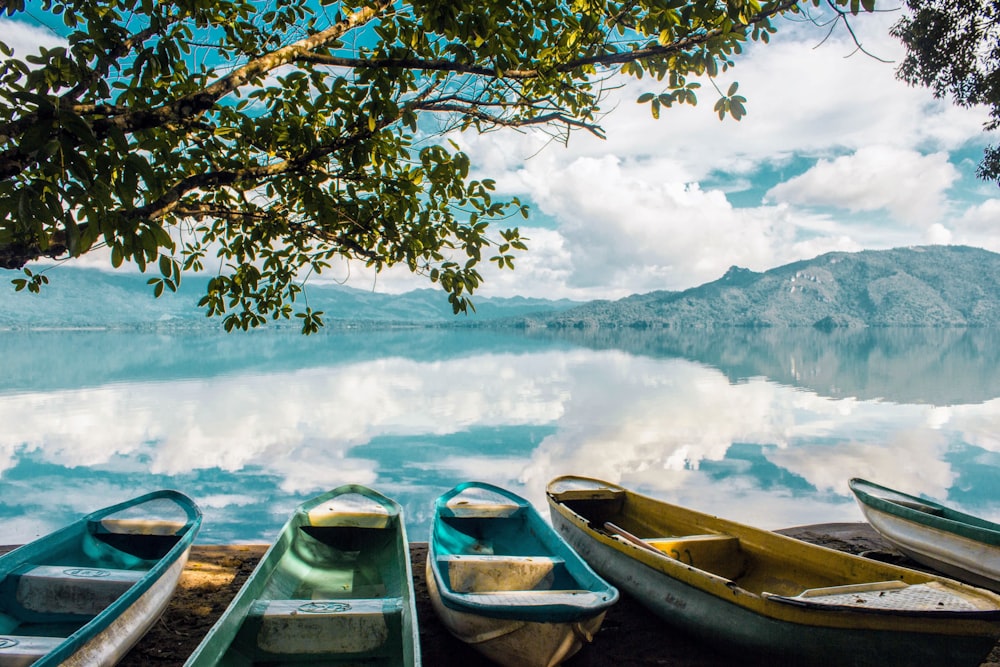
x=263 y=142
x=953 y=47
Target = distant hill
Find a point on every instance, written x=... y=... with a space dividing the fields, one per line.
x=81 y=298
x=933 y=286
x=936 y=286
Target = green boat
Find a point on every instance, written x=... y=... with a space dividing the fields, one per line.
x=85 y=594
x=335 y=588
x=763 y=596
x=502 y=581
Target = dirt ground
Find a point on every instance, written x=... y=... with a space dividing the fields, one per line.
x=629 y=637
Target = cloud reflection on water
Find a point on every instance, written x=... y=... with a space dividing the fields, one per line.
x=250 y=445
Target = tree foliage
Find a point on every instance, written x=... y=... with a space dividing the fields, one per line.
x=953 y=47
x=264 y=142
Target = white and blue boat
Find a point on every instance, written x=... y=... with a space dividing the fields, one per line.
x=85 y=594
x=504 y=582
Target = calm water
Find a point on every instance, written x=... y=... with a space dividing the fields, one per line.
x=763 y=427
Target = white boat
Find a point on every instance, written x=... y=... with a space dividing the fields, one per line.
x=957 y=544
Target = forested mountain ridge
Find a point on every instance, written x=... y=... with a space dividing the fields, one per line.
x=936 y=286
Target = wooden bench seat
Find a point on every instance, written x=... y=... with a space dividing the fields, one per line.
x=325 y=626
x=492 y=573
x=61 y=589
x=21 y=650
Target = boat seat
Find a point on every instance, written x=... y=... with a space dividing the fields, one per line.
x=22 y=650
x=325 y=626
x=63 y=589
x=718 y=554
x=918 y=506
x=490 y=573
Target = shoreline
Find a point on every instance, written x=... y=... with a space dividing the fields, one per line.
x=629 y=636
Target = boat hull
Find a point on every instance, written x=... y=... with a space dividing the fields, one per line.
x=776 y=628
x=111 y=645
x=933 y=535
x=514 y=642
x=502 y=581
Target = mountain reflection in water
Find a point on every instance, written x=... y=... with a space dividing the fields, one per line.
x=762 y=426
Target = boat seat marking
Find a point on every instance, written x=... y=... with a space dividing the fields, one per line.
x=490 y=573
x=63 y=589
x=18 y=650
x=324 y=626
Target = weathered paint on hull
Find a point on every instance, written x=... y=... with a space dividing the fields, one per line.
x=733 y=628
x=514 y=642
x=111 y=645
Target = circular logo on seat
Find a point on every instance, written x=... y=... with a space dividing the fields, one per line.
x=7 y=642
x=86 y=572
x=324 y=607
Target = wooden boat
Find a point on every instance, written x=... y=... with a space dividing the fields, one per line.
x=957 y=544
x=86 y=593
x=502 y=581
x=335 y=588
x=767 y=596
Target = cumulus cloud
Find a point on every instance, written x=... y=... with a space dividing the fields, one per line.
x=909 y=185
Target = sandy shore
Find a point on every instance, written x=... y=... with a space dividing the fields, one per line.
x=629 y=637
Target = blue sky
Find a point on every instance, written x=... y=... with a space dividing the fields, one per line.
x=834 y=154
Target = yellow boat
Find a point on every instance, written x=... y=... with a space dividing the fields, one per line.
x=764 y=595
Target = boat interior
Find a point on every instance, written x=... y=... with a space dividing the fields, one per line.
x=756 y=561
x=336 y=596
x=493 y=549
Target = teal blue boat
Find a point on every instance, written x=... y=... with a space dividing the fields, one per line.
x=505 y=583
x=85 y=594
x=335 y=588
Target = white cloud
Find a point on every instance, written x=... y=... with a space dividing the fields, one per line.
x=25 y=38
x=909 y=185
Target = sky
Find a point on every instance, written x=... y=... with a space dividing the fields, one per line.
x=835 y=154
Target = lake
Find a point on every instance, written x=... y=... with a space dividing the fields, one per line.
x=761 y=426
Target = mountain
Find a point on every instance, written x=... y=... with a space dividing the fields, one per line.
x=934 y=286
x=82 y=298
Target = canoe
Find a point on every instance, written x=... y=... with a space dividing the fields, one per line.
x=959 y=545
x=85 y=594
x=335 y=588
x=765 y=596
x=502 y=581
